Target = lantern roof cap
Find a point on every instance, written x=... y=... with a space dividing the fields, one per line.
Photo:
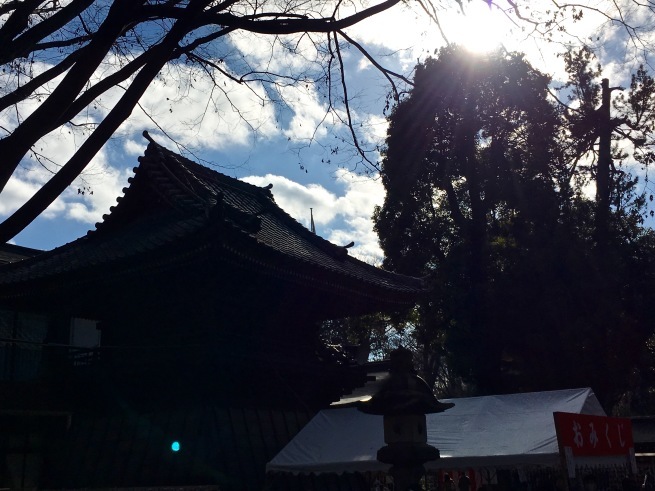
x=403 y=392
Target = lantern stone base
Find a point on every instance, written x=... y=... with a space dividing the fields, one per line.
x=407 y=461
x=407 y=478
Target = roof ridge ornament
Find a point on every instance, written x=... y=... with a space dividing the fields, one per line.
x=147 y=136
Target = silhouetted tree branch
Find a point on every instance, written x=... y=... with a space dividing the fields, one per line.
x=67 y=55
x=139 y=38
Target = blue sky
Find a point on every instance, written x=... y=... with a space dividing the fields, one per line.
x=289 y=147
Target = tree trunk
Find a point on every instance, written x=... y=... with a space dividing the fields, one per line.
x=67 y=174
x=14 y=147
x=604 y=165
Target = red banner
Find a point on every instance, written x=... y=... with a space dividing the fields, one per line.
x=588 y=435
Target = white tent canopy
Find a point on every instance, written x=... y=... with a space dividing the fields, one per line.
x=491 y=431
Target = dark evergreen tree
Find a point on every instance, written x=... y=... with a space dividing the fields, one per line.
x=481 y=197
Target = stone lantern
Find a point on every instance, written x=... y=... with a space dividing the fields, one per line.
x=403 y=400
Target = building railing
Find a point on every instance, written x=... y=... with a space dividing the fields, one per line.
x=83 y=357
x=27 y=360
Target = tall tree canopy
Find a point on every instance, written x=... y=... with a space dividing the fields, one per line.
x=481 y=197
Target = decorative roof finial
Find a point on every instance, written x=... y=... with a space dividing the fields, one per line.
x=312 y=227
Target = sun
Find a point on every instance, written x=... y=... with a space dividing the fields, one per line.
x=480 y=28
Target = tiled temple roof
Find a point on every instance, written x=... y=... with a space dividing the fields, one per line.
x=10 y=253
x=171 y=200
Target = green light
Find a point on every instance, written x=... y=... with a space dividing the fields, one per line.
x=175 y=446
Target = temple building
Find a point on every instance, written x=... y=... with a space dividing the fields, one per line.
x=177 y=343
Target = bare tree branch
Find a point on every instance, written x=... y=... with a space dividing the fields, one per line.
x=276 y=23
x=388 y=74
x=61 y=180
x=18 y=20
x=16 y=145
x=25 y=43
x=9 y=6
x=24 y=91
x=344 y=86
x=95 y=46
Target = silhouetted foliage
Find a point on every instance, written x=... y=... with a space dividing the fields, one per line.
x=481 y=197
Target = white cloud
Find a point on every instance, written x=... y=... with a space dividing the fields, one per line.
x=300 y=107
x=344 y=218
x=85 y=200
x=296 y=199
x=182 y=100
x=374 y=129
x=360 y=230
x=288 y=55
x=308 y=113
x=196 y=113
x=100 y=193
x=413 y=33
x=18 y=191
x=362 y=193
x=133 y=147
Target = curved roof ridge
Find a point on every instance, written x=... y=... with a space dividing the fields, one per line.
x=197 y=170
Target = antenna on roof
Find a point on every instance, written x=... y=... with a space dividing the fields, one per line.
x=312 y=227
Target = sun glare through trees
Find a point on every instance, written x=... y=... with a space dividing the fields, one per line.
x=480 y=29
